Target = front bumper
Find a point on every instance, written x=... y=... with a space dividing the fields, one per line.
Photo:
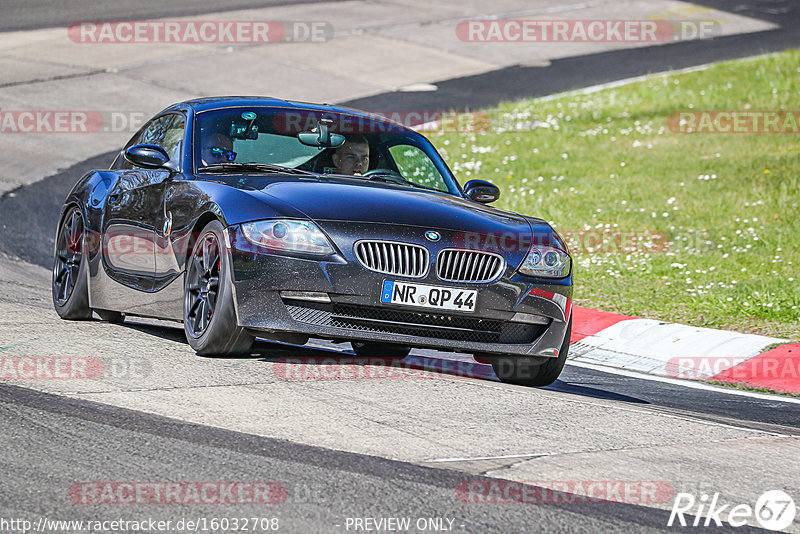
x=270 y=296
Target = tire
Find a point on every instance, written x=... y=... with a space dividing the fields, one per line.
x=380 y=350
x=209 y=318
x=528 y=371
x=70 y=287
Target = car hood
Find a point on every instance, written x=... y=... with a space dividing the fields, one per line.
x=378 y=204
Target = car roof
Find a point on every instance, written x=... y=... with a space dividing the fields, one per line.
x=219 y=102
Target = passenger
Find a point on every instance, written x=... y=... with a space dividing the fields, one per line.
x=217 y=148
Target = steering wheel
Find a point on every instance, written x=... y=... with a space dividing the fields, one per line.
x=384 y=172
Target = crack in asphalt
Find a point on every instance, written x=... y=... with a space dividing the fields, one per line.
x=50 y=79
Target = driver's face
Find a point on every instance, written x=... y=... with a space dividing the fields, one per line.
x=351 y=158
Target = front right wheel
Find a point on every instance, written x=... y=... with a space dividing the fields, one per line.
x=209 y=318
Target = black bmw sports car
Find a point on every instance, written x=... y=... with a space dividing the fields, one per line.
x=257 y=217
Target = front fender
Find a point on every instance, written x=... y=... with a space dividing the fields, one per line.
x=89 y=194
x=191 y=204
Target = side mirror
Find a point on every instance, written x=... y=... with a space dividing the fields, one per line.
x=481 y=191
x=149 y=157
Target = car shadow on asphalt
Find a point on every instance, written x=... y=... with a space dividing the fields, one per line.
x=302 y=362
x=595 y=393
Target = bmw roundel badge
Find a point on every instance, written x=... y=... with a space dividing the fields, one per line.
x=430 y=235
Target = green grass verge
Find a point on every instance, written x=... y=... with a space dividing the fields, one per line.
x=605 y=166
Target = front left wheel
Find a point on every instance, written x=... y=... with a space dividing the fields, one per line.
x=70 y=288
x=209 y=318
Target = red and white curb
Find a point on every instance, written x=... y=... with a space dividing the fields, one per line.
x=683 y=352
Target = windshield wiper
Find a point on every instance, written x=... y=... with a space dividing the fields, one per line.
x=258 y=167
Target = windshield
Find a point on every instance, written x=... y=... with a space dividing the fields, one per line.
x=260 y=139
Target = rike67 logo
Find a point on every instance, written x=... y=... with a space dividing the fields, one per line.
x=774 y=510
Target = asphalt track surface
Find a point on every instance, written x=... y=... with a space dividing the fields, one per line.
x=488 y=89
x=54 y=442
x=470 y=92
x=50 y=442
x=35 y=14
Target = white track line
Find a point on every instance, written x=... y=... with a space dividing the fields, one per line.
x=509 y=456
x=688 y=383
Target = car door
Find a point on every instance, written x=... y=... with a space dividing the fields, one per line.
x=133 y=211
x=166 y=264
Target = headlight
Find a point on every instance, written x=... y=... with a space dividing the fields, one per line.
x=546 y=261
x=288 y=236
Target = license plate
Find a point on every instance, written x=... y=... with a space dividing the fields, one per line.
x=440 y=298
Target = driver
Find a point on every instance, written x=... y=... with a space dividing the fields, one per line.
x=353 y=156
x=217 y=148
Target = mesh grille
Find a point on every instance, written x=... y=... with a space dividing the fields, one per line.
x=455 y=265
x=387 y=257
x=309 y=315
x=428 y=325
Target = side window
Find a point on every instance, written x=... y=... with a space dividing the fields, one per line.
x=415 y=165
x=173 y=136
x=166 y=131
